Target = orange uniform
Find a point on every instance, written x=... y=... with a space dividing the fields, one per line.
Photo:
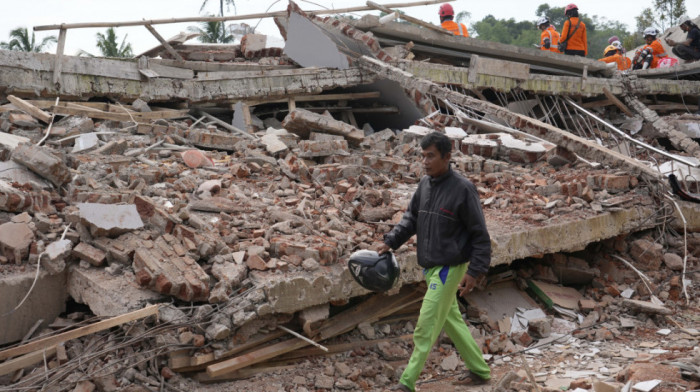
x=455 y=28
x=657 y=50
x=579 y=39
x=551 y=34
x=623 y=63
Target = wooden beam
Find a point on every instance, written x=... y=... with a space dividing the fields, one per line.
x=165 y=43
x=58 y=63
x=226 y=18
x=78 y=110
x=617 y=102
x=26 y=360
x=225 y=125
x=407 y=18
x=30 y=109
x=79 y=332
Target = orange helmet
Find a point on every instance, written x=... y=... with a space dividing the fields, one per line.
x=570 y=7
x=446 y=10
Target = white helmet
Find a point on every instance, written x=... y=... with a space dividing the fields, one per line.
x=650 y=31
x=684 y=19
x=542 y=21
x=617 y=45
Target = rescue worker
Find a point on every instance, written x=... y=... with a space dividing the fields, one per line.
x=549 y=39
x=611 y=54
x=447 y=13
x=615 y=41
x=648 y=56
x=573 y=40
x=688 y=50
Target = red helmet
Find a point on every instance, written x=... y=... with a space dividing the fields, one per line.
x=446 y=10
x=570 y=7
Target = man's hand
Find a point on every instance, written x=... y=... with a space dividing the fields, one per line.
x=466 y=285
x=670 y=42
x=383 y=248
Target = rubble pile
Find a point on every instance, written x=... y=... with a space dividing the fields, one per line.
x=202 y=238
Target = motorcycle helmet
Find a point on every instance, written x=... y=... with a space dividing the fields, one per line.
x=373 y=271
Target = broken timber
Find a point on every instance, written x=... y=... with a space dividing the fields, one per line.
x=590 y=150
x=76 y=333
x=375 y=308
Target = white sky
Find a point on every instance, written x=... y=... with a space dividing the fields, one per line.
x=30 y=13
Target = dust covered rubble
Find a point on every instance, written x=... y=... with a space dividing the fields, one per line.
x=225 y=211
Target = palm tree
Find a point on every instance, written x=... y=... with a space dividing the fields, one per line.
x=20 y=41
x=107 y=44
x=221 y=5
x=212 y=32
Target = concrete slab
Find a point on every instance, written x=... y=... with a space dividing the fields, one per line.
x=46 y=301
x=310 y=46
x=109 y=219
x=107 y=295
x=291 y=292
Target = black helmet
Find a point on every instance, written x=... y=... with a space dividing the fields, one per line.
x=374 y=271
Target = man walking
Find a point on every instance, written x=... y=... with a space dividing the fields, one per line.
x=454 y=248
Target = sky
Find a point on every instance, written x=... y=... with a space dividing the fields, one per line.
x=30 y=13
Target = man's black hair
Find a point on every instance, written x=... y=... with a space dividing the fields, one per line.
x=446 y=17
x=572 y=13
x=439 y=140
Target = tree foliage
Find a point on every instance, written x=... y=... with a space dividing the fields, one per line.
x=108 y=45
x=661 y=15
x=221 y=5
x=20 y=40
x=212 y=33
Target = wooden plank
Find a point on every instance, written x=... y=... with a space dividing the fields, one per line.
x=408 y=18
x=26 y=360
x=263 y=354
x=178 y=39
x=165 y=43
x=79 y=332
x=243 y=373
x=30 y=109
x=226 y=18
x=374 y=308
x=617 y=102
x=58 y=61
x=78 y=110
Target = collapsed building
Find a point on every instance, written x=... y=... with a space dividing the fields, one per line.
x=228 y=184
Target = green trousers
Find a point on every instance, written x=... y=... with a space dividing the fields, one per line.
x=440 y=310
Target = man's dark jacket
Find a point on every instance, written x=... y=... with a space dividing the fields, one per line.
x=446 y=215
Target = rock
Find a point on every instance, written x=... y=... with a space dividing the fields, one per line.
x=450 y=362
x=196 y=158
x=646 y=254
x=392 y=352
x=367 y=330
x=673 y=261
x=54 y=256
x=540 y=328
x=646 y=307
x=324 y=382
x=208 y=189
x=231 y=273
x=15 y=239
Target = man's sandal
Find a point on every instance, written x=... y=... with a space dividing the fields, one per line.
x=469 y=378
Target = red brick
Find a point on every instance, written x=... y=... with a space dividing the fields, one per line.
x=89 y=253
